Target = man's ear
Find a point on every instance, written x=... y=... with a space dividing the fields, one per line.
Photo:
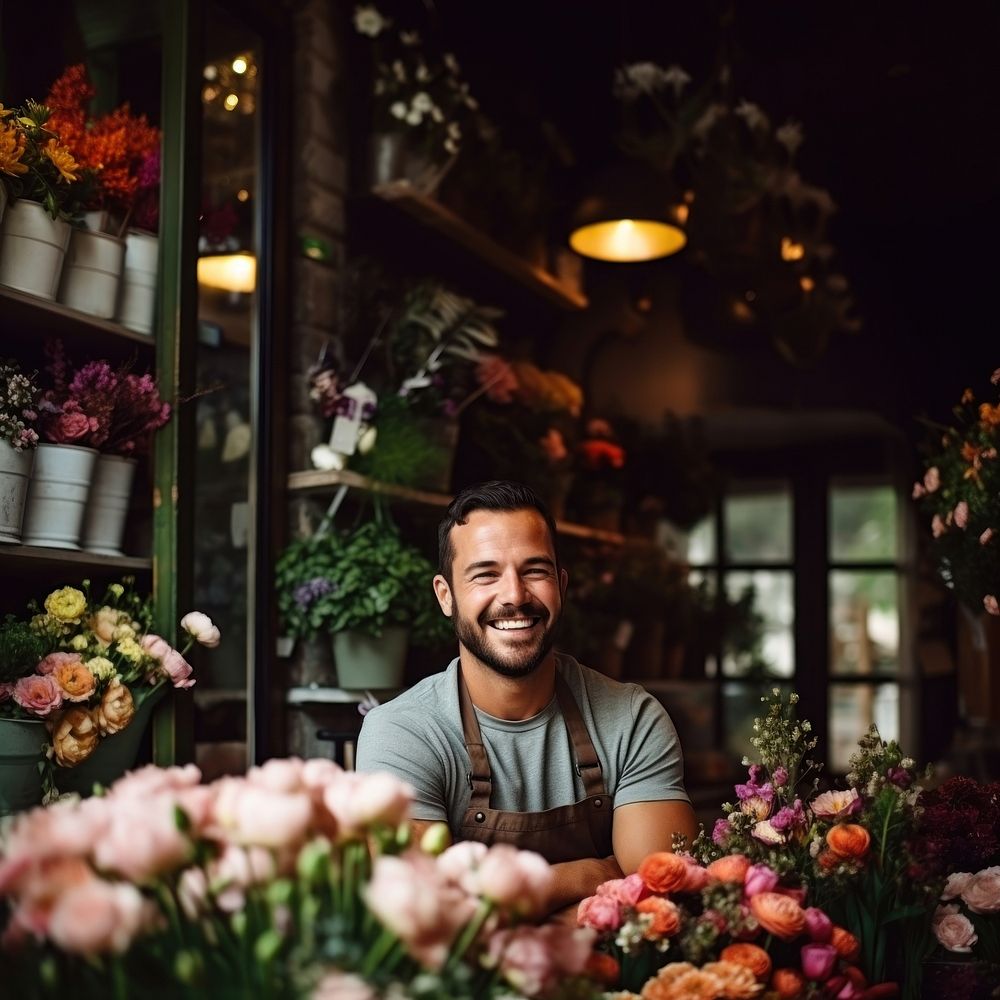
x=563 y=583
x=443 y=593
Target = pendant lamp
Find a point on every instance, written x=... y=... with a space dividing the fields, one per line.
x=628 y=214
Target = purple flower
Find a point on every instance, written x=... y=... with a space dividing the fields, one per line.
x=311 y=591
x=759 y=878
x=899 y=776
x=720 y=831
x=789 y=816
x=756 y=772
x=752 y=790
x=818 y=961
x=779 y=777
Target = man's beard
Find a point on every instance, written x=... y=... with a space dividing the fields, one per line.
x=475 y=637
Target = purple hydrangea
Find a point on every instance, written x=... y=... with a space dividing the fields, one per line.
x=789 y=817
x=308 y=593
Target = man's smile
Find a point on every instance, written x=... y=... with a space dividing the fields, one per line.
x=513 y=624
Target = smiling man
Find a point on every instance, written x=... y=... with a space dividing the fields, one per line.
x=517 y=743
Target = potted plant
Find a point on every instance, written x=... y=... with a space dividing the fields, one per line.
x=18 y=438
x=370 y=590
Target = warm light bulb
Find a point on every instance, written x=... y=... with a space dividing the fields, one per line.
x=232 y=272
x=806 y=283
x=231 y=101
x=790 y=250
x=242 y=195
x=628 y=240
x=210 y=72
x=239 y=65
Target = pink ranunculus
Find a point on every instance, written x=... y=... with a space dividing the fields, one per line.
x=932 y=479
x=178 y=670
x=278 y=775
x=155 y=645
x=629 y=890
x=984 y=538
x=953 y=929
x=201 y=628
x=535 y=960
x=49 y=663
x=458 y=864
x=264 y=818
x=991 y=604
x=759 y=878
x=982 y=893
x=818 y=961
x=517 y=881
x=602 y=913
x=38 y=694
x=955 y=886
x=237 y=869
x=359 y=801
x=818 y=925
x=70 y=427
x=98 y=918
x=142 y=840
x=38 y=887
x=151 y=780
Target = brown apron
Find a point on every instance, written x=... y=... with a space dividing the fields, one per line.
x=565 y=833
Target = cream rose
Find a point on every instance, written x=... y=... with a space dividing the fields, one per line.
x=201 y=628
x=103 y=624
x=74 y=736
x=982 y=894
x=953 y=930
x=116 y=710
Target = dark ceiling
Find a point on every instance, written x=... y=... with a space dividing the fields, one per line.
x=898 y=102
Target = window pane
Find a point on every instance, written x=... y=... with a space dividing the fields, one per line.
x=758 y=526
x=864 y=622
x=701 y=543
x=853 y=708
x=863 y=521
x=757 y=624
x=702 y=659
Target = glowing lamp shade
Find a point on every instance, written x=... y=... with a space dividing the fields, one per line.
x=627 y=213
x=627 y=240
x=231 y=272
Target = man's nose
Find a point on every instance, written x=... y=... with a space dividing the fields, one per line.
x=512 y=589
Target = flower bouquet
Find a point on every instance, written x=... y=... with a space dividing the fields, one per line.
x=87 y=667
x=298 y=880
x=18 y=407
x=961 y=493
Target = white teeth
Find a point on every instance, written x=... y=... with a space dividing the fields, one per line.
x=505 y=624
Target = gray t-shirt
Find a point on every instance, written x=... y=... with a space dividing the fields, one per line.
x=418 y=737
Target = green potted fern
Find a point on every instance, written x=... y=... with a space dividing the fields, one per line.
x=367 y=588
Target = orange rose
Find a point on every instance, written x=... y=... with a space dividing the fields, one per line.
x=750 y=956
x=603 y=968
x=778 y=915
x=666 y=916
x=664 y=872
x=847 y=945
x=731 y=868
x=848 y=841
x=75 y=681
x=74 y=736
x=738 y=980
x=788 y=983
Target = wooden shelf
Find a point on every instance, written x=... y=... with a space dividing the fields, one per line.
x=334 y=696
x=30 y=556
x=34 y=315
x=432 y=214
x=319 y=481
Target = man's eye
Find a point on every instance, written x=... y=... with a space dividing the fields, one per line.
x=538 y=574
x=483 y=577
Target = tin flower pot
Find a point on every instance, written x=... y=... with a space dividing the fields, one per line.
x=364 y=662
x=137 y=298
x=92 y=272
x=32 y=249
x=107 y=505
x=22 y=750
x=15 y=474
x=57 y=495
x=395 y=156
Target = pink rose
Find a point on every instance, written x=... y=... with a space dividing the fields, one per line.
x=960 y=515
x=991 y=604
x=155 y=645
x=982 y=893
x=38 y=694
x=953 y=929
x=759 y=878
x=515 y=880
x=141 y=839
x=278 y=775
x=268 y=819
x=359 y=801
x=53 y=660
x=932 y=479
x=818 y=961
x=602 y=913
x=535 y=960
x=178 y=669
x=98 y=917
x=69 y=427
x=818 y=925
x=955 y=886
x=629 y=890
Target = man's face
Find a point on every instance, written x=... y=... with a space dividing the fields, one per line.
x=505 y=598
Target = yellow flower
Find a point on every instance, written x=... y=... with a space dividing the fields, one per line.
x=11 y=149
x=130 y=649
x=79 y=643
x=62 y=159
x=117 y=589
x=123 y=633
x=66 y=604
x=101 y=667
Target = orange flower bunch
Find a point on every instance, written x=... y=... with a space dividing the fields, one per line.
x=12 y=145
x=111 y=148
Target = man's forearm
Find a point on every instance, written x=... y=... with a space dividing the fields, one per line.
x=575 y=880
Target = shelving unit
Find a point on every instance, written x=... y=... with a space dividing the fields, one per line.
x=315 y=481
x=431 y=213
x=30 y=314
x=33 y=557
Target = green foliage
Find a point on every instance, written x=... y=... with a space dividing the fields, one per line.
x=20 y=649
x=362 y=581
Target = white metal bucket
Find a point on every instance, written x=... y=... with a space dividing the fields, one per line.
x=107 y=507
x=32 y=249
x=92 y=272
x=57 y=495
x=15 y=472
x=137 y=300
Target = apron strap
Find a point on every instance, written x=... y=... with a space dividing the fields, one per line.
x=587 y=764
x=480 y=777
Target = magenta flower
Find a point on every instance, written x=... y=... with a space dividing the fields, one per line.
x=818 y=961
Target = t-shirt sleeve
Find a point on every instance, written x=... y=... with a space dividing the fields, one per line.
x=387 y=744
x=653 y=769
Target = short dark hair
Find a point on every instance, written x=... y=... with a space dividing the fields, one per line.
x=497 y=495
